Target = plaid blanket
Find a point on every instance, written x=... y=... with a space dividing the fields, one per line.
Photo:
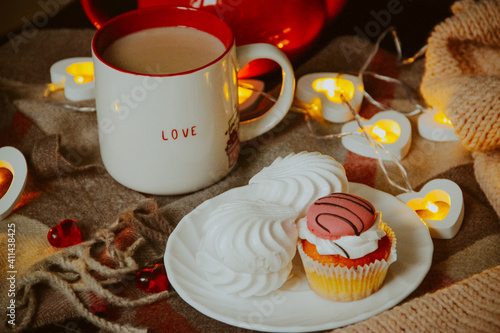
x=58 y=289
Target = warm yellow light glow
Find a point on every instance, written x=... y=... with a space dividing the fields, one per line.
x=435 y=205
x=83 y=72
x=441 y=118
x=235 y=77
x=379 y=132
x=432 y=207
x=334 y=88
x=226 y=91
x=283 y=43
x=434 y=210
x=244 y=93
x=314 y=109
x=384 y=131
x=51 y=87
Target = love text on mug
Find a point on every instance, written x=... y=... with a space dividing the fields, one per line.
x=175 y=134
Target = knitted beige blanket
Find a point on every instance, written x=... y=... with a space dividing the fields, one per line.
x=462 y=79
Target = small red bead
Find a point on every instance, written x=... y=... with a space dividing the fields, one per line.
x=99 y=310
x=98 y=306
x=152 y=280
x=67 y=233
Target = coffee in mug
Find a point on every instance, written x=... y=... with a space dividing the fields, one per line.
x=177 y=130
x=164 y=50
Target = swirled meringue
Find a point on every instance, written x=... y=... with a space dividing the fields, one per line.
x=297 y=180
x=247 y=247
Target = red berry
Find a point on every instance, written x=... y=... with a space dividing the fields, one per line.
x=67 y=233
x=152 y=280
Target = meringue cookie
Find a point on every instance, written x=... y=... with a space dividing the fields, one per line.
x=297 y=180
x=247 y=247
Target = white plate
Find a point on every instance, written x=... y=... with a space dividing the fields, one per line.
x=294 y=307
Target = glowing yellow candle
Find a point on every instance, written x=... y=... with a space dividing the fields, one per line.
x=83 y=72
x=328 y=93
x=334 y=88
x=440 y=206
x=434 y=206
x=434 y=125
x=250 y=92
x=384 y=131
x=244 y=92
x=441 y=118
x=434 y=211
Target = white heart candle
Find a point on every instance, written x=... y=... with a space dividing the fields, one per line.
x=323 y=90
x=434 y=125
x=249 y=93
x=439 y=204
x=390 y=128
x=14 y=161
x=76 y=75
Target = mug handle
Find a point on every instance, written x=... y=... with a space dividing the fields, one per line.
x=249 y=129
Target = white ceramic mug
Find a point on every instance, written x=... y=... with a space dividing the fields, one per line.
x=177 y=133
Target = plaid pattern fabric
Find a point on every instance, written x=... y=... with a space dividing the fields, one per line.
x=67 y=180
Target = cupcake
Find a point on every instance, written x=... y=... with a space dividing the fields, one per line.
x=345 y=247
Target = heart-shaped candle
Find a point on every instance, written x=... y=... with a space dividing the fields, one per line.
x=440 y=205
x=323 y=90
x=152 y=280
x=390 y=128
x=434 y=125
x=249 y=93
x=6 y=178
x=66 y=233
x=13 y=174
x=76 y=75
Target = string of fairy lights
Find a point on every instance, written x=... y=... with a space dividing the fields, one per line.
x=441 y=208
x=340 y=98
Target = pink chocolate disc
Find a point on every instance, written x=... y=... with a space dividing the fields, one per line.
x=340 y=214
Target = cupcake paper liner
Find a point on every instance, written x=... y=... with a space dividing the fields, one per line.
x=344 y=284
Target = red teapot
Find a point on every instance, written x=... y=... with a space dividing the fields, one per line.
x=291 y=25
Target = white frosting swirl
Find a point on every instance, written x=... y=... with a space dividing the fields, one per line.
x=247 y=247
x=352 y=247
x=297 y=180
